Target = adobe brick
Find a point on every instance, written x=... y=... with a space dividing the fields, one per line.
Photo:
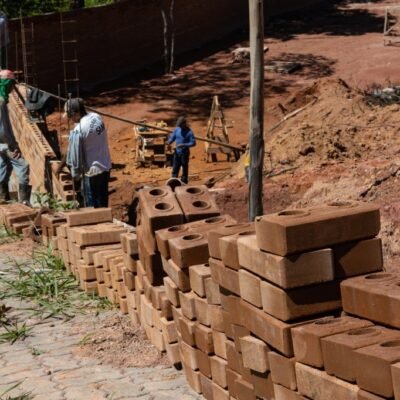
x=173 y=354
x=188 y=250
x=202 y=311
x=89 y=216
x=300 y=302
x=363 y=395
x=186 y=329
x=159 y=208
x=206 y=387
x=283 y=370
x=203 y=338
x=129 y=279
x=188 y=355
x=231 y=377
x=156 y=294
x=293 y=231
x=218 y=371
x=169 y=331
x=130 y=263
x=129 y=243
x=187 y=305
x=307 y=338
x=222 y=231
x=212 y=292
x=337 y=350
x=105 y=233
x=233 y=357
x=396 y=381
x=262 y=383
x=358 y=258
x=219 y=393
x=166 y=308
x=219 y=339
x=282 y=393
x=87 y=272
x=250 y=288
x=176 y=315
x=216 y=318
x=198 y=274
x=373 y=296
x=179 y=276
x=192 y=377
x=286 y=272
x=196 y=202
x=254 y=354
x=203 y=362
x=228 y=324
x=373 y=367
x=244 y=390
x=239 y=332
x=225 y=277
x=123 y=305
x=318 y=385
x=229 y=248
x=171 y=291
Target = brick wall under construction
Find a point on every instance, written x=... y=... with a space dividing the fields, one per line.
x=126 y=36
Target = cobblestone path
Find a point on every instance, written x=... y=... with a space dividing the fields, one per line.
x=45 y=366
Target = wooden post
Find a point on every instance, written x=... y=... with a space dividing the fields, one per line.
x=256 y=108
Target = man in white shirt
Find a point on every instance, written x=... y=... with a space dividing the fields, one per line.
x=88 y=153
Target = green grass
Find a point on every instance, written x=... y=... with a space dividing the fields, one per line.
x=49 y=287
x=47 y=200
x=14 y=332
x=7 y=236
x=6 y=394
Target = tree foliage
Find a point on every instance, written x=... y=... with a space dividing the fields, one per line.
x=15 y=8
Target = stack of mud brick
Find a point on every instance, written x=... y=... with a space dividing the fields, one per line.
x=34 y=146
x=90 y=245
x=62 y=183
x=16 y=217
x=272 y=280
x=164 y=211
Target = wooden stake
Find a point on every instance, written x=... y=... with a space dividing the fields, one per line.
x=256 y=108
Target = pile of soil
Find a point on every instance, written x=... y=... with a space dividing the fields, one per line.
x=118 y=343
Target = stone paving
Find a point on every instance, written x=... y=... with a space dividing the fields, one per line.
x=45 y=365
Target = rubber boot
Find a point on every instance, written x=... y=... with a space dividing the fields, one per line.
x=4 y=192
x=24 y=194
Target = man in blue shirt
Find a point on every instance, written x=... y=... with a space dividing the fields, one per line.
x=184 y=138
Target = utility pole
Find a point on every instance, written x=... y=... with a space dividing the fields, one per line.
x=256 y=108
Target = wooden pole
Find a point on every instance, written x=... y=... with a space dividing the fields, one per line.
x=256 y=108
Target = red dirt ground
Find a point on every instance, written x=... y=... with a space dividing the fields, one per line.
x=337 y=148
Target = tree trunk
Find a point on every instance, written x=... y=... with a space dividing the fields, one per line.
x=166 y=35
x=256 y=108
x=172 y=48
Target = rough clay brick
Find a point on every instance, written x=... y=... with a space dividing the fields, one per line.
x=88 y=217
x=188 y=354
x=338 y=349
x=226 y=277
x=219 y=393
x=373 y=367
x=198 y=274
x=218 y=371
x=206 y=387
x=202 y=311
x=171 y=291
x=287 y=272
x=188 y=250
x=178 y=276
x=307 y=337
x=188 y=305
x=203 y=362
x=300 y=302
x=318 y=385
x=283 y=370
x=363 y=395
x=219 y=339
x=294 y=231
x=250 y=289
x=192 y=377
x=254 y=353
x=358 y=258
x=204 y=339
x=282 y=393
x=212 y=292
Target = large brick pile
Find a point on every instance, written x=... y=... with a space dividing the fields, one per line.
x=250 y=311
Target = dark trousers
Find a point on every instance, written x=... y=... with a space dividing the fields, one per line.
x=96 y=190
x=181 y=160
